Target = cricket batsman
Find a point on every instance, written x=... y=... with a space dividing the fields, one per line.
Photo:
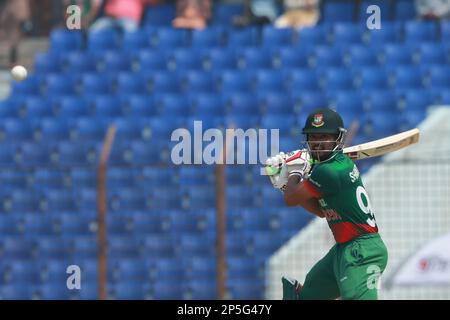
x=323 y=180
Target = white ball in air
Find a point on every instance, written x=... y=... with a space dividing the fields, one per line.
x=19 y=73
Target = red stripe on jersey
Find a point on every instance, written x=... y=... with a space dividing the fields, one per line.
x=311 y=189
x=346 y=231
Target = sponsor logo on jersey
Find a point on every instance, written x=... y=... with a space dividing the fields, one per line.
x=354 y=175
x=318 y=120
x=314 y=182
x=331 y=215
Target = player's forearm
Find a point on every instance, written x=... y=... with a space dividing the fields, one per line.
x=296 y=195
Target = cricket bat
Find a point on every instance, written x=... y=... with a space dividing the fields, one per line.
x=374 y=148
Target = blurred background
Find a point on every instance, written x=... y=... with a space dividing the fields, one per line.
x=140 y=227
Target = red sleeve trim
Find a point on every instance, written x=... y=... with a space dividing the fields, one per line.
x=311 y=189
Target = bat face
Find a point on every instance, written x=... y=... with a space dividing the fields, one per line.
x=378 y=147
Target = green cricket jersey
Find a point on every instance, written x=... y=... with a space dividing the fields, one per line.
x=337 y=185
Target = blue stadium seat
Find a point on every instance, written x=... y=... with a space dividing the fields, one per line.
x=74 y=107
x=84 y=248
x=236 y=243
x=276 y=103
x=199 y=82
x=404 y=10
x=76 y=224
x=89 y=291
x=53 y=129
x=149 y=222
x=63 y=40
x=33 y=154
x=381 y=124
x=419 y=31
x=185 y=60
x=130 y=271
x=445 y=30
x=131 y=83
x=128 y=199
x=103 y=40
x=17 y=249
x=349 y=102
x=14 y=179
x=140 y=106
x=17 y=130
x=168 y=269
x=265 y=243
x=255 y=58
x=272 y=36
x=160 y=15
x=293 y=219
x=390 y=33
x=381 y=100
x=75 y=153
x=440 y=77
x=38 y=225
x=135 y=41
x=60 y=200
x=256 y=219
x=171 y=104
x=240 y=197
x=49 y=178
x=151 y=60
x=10 y=225
x=169 y=38
x=202 y=289
x=167 y=290
x=362 y=56
x=17 y=292
x=95 y=84
x=201 y=268
x=55 y=291
x=123 y=247
x=310 y=100
x=242 y=104
x=208 y=38
x=201 y=197
x=197 y=244
x=310 y=37
x=408 y=77
x=445 y=97
x=335 y=11
x=270 y=80
x=143 y=155
x=223 y=13
x=164 y=82
x=345 y=34
x=278 y=121
x=235 y=81
x=412 y=118
x=240 y=268
x=417 y=100
x=242 y=289
x=292 y=58
x=8 y=109
x=220 y=59
x=59 y=85
x=114 y=61
x=303 y=79
x=90 y=129
x=119 y=224
x=128 y=291
x=432 y=54
x=158 y=245
x=7 y=153
x=53 y=271
x=79 y=62
x=338 y=79
x=372 y=78
x=325 y=57
x=242 y=37
x=83 y=178
x=36 y=108
x=47 y=62
x=152 y=177
x=54 y=250
x=397 y=54
x=31 y=86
